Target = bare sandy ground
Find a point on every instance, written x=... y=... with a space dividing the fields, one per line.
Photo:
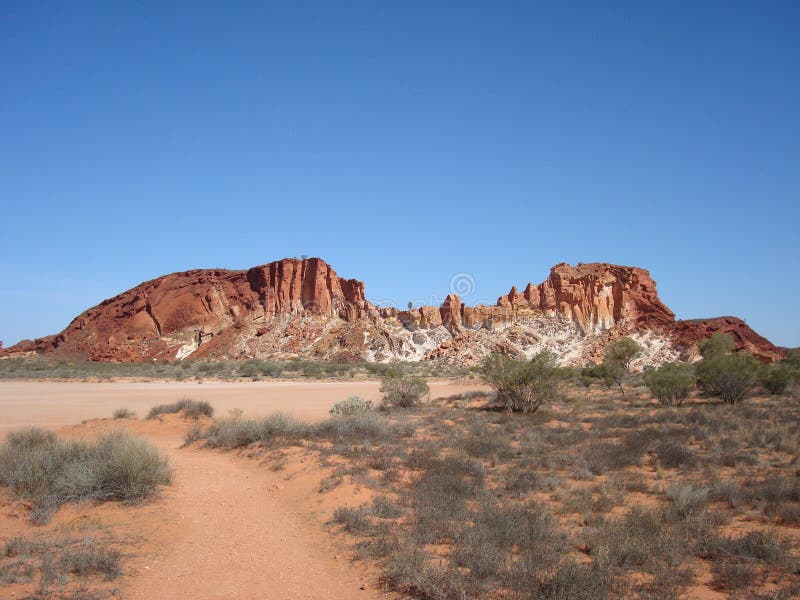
x=228 y=527
x=55 y=404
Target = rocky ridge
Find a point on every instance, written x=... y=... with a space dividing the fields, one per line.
x=301 y=307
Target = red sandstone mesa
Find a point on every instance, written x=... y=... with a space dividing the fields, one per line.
x=302 y=307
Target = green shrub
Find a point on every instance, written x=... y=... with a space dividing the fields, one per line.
x=192 y=409
x=623 y=351
x=312 y=370
x=260 y=368
x=717 y=345
x=670 y=383
x=403 y=391
x=38 y=466
x=793 y=359
x=523 y=385
x=728 y=376
x=777 y=378
x=611 y=372
x=124 y=413
x=352 y=406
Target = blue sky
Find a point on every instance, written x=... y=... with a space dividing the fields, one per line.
x=404 y=143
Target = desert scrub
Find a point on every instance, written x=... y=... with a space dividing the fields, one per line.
x=354 y=520
x=191 y=409
x=777 y=378
x=351 y=406
x=640 y=539
x=342 y=430
x=62 y=565
x=124 y=413
x=90 y=558
x=360 y=428
x=236 y=432
x=670 y=383
x=725 y=375
x=463 y=496
x=403 y=391
x=523 y=385
x=47 y=471
x=730 y=377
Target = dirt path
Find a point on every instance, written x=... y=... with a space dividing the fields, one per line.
x=228 y=527
x=231 y=528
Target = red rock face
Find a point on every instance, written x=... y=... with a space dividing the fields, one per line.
x=451 y=312
x=290 y=286
x=595 y=297
x=302 y=307
x=688 y=333
x=154 y=319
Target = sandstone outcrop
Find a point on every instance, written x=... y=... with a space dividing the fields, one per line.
x=176 y=314
x=688 y=333
x=295 y=307
x=595 y=297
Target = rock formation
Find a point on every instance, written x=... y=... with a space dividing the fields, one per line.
x=298 y=307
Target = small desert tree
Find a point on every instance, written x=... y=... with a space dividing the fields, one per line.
x=623 y=351
x=727 y=376
x=523 y=385
x=616 y=362
x=776 y=378
x=717 y=345
x=670 y=383
x=612 y=373
x=792 y=364
x=792 y=359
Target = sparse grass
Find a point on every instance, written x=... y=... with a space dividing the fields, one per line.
x=124 y=413
x=191 y=409
x=47 y=471
x=602 y=456
x=342 y=431
x=474 y=503
x=354 y=520
x=62 y=566
x=236 y=432
x=90 y=559
x=755 y=546
x=672 y=455
x=357 y=429
x=385 y=508
x=640 y=539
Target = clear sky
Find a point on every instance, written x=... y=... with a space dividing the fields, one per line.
x=403 y=142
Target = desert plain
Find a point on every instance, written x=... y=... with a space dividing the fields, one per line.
x=596 y=494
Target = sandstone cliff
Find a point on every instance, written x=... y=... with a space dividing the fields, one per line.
x=297 y=307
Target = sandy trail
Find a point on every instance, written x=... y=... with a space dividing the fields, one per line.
x=230 y=528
